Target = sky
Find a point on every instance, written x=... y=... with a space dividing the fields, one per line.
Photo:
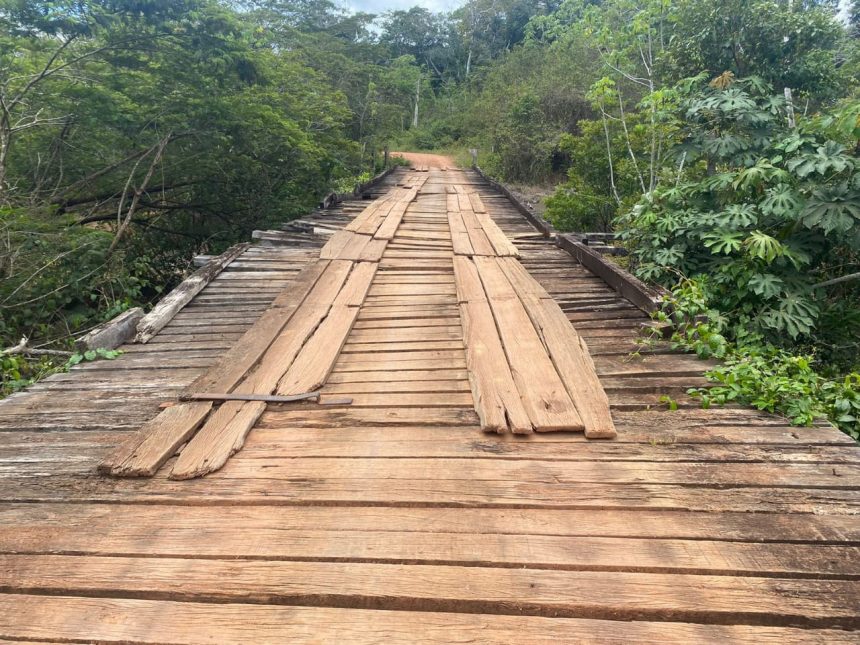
x=381 y=6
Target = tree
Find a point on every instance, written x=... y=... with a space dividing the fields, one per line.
x=789 y=44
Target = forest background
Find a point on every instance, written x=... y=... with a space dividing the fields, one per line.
x=718 y=139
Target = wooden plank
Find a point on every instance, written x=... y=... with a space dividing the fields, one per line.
x=338 y=280
x=248 y=350
x=480 y=242
x=264 y=379
x=159 y=439
x=460 y=241
x=316 y=360
x=361 y=222
x=168 y=306
x=568 y=351
x=476 y=202
x=392 y=221
x=373 y=251
x=372 y=223
x=112 y=334
x=643 y=296
x=501 y=244
x=357 y=286
x=347 y=245
x=70 y=527
x=355 y=248
x=571 y=594
x=496 y=398
x=544 y=395
x=457 y=493
x=476 y=218
x=111 y=620
x=222 y=436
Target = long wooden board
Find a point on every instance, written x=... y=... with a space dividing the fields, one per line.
x=113 y=620
x=496 y=398
x=543 y=394
x=158 y=440
x=567 y=349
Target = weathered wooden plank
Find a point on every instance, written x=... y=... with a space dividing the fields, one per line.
x=220 y=489
x=112 y=334
x=581 y=594
x=501 y=244
x=144 y=453
x=125 y=620
x=167 y=307
x=317 y=359
x=568 y=351
x=338 y=243
x=248 y=350
x=69 y=527
x=305 y=320
x=222 y=436
x=543 y=394
x=495 y=394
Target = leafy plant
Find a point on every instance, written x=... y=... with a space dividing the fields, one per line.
x=755 y=372
x=762 y=209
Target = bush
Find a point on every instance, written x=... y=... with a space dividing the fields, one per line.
x=770 y=214
x=755 y=372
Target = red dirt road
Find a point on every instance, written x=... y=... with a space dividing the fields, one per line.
x=426 y=159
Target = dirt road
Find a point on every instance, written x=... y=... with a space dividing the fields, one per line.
x=426 y=159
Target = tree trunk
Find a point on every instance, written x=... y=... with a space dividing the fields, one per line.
x=5 y=137
x=789 y=108
x=417 y=99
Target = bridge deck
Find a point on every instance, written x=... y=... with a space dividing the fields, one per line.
x=395 y=519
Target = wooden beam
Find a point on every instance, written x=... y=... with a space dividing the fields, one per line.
x=648 y=299
x=168 y=306
x=112 y=334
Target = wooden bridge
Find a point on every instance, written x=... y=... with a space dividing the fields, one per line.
x=395 y=518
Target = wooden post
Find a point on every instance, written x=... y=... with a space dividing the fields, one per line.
x=385 y=159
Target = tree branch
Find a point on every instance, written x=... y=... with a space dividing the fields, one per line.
x=845 y=278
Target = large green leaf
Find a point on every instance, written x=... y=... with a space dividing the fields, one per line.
x=723 y=242
x=781 y=201
x=763 y=247
x=795 y=314
x=828 y=159
x=766 y=285
x=725 y=145
x=737 y=216
x=833 y=209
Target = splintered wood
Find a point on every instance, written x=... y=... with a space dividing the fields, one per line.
x=290 y=350
x=528 y=368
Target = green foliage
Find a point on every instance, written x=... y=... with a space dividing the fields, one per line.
x=55 y=277
x=788 y=44
x=755 y=372
x=18 y=371
x=91 y=355
x=765 y=211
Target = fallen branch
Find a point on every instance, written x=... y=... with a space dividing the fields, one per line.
x=22 y=348
x=844 y=278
